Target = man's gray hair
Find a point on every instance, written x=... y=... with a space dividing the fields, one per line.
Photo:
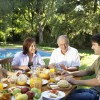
x=63 y=37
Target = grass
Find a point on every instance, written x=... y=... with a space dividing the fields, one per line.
x=2 y=45
x=46 y=48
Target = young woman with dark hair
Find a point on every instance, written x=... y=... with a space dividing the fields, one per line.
x=29 y=56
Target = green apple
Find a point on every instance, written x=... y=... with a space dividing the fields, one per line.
x=35 y=99
x=37 y=95
x=37 y=92
x=17 y=94
x=16 y=90
x=21 y=97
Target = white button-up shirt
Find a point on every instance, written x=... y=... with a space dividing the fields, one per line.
x=21 y=59
x=70 y=59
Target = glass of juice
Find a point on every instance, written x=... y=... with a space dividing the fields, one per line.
x=52 y=75
x=31 y=82
x=1 y=85
x=52 y=80
x=32 y=79
x=38 y=83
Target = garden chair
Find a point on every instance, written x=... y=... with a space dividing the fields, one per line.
x=6 y=63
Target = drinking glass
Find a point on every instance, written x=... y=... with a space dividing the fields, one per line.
x=33 y=68
x=35 y=82
x=1 y=85
x=52 y=75
x=32 y=82
x=33 y=76
x=38 y=83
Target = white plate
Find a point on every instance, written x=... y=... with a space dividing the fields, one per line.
x=5 y=85
x=58 y=78
x=44 y=81
x=45 y=95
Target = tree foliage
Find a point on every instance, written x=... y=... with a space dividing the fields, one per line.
x=47 y=19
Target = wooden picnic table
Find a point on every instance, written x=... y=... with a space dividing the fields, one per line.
x=45 y=87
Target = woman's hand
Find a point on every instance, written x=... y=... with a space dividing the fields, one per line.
x=25 y=68
x=18 y=73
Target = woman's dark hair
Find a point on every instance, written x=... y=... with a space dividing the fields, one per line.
x=96 y=38
x=27 y=43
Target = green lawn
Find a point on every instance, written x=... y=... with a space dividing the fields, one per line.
x=2 y=45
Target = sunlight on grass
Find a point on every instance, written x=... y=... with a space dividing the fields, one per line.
x=88 y=60
x=46 y=48
x=10 y=46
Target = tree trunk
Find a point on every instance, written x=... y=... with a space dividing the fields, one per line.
x=41 y=34
x=95 y=5
x=5 y=38
x=95 y=30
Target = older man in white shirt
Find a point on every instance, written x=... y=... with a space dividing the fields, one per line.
x=65 y=57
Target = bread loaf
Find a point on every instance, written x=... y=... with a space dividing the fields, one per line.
x=63 y=84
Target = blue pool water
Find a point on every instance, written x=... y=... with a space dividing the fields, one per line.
x=4 y=53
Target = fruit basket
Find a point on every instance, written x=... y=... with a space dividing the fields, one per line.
x=24 y=93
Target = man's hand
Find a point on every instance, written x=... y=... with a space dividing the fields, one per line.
x=62 y=66
x=71 y=80
x=51 y=66
x=66 y=73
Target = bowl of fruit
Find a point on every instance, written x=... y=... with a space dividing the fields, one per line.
x=24 y=93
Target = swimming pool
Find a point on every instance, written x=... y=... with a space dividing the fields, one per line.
x=5 y=53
